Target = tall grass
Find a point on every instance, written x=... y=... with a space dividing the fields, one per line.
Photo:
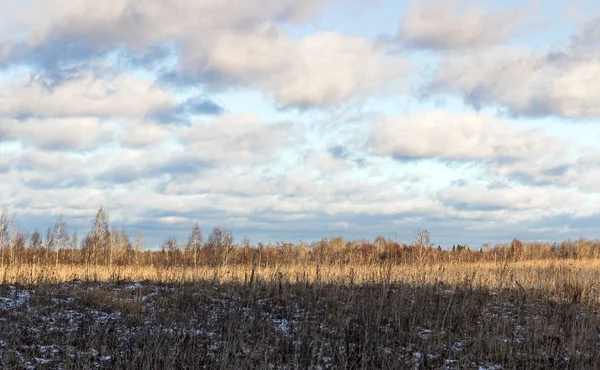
x=531 y=314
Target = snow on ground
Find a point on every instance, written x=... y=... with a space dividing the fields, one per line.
x=74 y=321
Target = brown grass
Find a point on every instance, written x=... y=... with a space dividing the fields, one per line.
x=529 y=314
x=549 y=279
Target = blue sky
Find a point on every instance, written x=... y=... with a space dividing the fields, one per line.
x=293 y=120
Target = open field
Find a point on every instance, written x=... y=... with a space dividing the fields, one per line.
x=107 y=302
x=530 y=314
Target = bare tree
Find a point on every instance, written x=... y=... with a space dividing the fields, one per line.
x=14 y=225
x=422 y=238
x=3 y=233
x=194 y=244
x=139 y=246
x=73 y=242
x=100 y=234
x=221 y=242
x=423 y=243
x=48 y=244
x=36 y=243
x=169 y=248
x=19 y=246
x=60 y=237
x=120 y=246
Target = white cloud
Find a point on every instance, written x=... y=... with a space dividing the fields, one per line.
x=322 y=69
x=143 y=134
x=85 y=95
x=449 y=136
x=236 y=139
x=508 y=154
x=40 y=170
x=87 y=132
x=576 y=168
x=326 y=163
x=479 y=197
x=146 y=22
x=56 y=133
x=235 y=183
x=436 y=25
x=223 y=45
x=44 y=161
x=561 y=83
x=5 y=161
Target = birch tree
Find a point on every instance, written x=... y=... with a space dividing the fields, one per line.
x=194 y=244
x=60 y=238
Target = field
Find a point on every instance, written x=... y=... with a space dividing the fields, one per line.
x=455 y=315
x=105 y=302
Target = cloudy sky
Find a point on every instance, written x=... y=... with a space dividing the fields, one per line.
x=301 y=119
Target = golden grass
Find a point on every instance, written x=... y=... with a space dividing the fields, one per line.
x=528 y=314
x=557 y=278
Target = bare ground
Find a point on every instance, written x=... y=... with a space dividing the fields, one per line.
x=279 y=325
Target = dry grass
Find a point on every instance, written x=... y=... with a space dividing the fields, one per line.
x=533 y=314
x=544 y=279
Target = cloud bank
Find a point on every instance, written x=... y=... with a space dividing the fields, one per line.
x=291 y=119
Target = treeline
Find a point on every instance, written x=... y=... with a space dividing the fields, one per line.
x=107 y=246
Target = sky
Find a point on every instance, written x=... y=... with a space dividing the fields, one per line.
x=289 y=120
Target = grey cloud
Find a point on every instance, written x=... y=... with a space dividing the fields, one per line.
x=4 y=165
x=580 y=170
x=153 y=57
x=184 y=112
x=460 y=183
x=45 y=182
x=183 y=165
x=339 y=152
x=209 y=78
x=495 y=184
x=124 y=173
x=557 y=171
x=518 y=198
x=202 y=105
x=530 y=179
x=408 y=158
x=361 y=162
x=58 y=60
x=467 y=206
x=269 y=227
x=588 y=35
x=168 y=115
x=44 y=170
x=308 y=209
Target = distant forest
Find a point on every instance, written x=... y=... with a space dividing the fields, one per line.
x=107 y=246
